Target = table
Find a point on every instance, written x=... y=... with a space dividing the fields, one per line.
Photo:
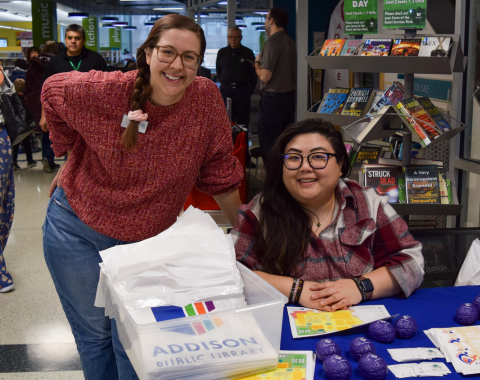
x=431 y=308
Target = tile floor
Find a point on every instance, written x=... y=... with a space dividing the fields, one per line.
x=35 y=338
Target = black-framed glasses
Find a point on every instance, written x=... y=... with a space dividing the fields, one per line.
x=294 y=161
x=167 y=54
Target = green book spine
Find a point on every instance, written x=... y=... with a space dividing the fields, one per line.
x=402 y=196
x=449 y=191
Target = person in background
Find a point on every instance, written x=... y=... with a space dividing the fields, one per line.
x=33 y=88
x=32 y=52
x=121 y=184
x=26 y=143
x=131 y=64
x=20 y=70
x=323 y=240
x=76 y=57
x=236 y=74
x=276 y=67
x=7 y=197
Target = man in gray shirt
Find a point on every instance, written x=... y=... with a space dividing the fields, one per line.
x=276 y=67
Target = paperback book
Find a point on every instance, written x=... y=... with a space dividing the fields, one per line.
x=414 y=126
x=435 y=46
x=332 y=48
x=358 y=101
x=422 y=185
x=406 y=48
x=352 y=47
x=415 y=109
x=334 y=101
x=376 y=47
x=384 y=179
x=365 y=155
x=434 y=113
x=391 y=96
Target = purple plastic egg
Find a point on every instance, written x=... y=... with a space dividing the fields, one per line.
x=476 y=302
x=326 y=347
x=373 y=367
x=406 y=327
x=337 y=368
x=467 y=314
x=382 y=331
x=361 y=346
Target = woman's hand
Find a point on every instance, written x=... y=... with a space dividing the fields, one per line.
x=332 y=295
x=57 y=181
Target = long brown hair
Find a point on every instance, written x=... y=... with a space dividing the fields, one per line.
x=285 y=227
x=142 y=90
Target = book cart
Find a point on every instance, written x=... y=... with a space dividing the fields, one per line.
x=391 y=123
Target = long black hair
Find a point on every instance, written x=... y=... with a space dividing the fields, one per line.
x=285 y=227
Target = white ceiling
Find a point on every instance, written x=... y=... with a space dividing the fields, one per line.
x=25 y=8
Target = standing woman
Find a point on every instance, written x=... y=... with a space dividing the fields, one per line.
x=7 y=197
x=124 y=185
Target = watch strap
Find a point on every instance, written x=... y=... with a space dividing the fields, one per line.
x=368 y=294
x=360 y=288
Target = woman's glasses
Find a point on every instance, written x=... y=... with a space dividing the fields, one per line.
x=168 y=54
x=293 y=161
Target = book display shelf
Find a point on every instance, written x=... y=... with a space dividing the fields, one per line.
x=390 y=123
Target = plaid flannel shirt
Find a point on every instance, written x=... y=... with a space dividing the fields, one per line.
x=366 y=234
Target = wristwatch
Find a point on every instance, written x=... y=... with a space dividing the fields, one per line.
x=365 y=287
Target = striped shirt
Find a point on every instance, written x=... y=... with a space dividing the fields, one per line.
x=366 y=233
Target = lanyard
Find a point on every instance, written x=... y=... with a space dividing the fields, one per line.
x=76 y=68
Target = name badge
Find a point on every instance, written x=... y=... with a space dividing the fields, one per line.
x=142 y=125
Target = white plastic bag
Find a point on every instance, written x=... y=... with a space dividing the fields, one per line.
x=470 y=271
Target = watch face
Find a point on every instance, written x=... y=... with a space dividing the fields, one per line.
x=367 y=285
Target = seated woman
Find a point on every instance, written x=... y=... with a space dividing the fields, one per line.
x=323 y=240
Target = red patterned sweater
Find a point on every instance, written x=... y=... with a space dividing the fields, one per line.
x=134 y=195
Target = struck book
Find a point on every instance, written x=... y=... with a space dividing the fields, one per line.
x=422 y=184
x=332 y=48
x=384 y=179
x=435 y=46
x=376 y=47
x=352 y=47
x=334 y=101
x=434 y=113
x=358 y=101
x=406 y=48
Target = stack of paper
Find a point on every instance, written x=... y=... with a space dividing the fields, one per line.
x=419 y=370
x=292 y=365
x=460 y=346
x=403 y=355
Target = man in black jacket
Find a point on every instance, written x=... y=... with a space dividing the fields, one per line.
x=237 y=76
x=74 y=57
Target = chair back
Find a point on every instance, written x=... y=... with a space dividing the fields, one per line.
x=444 y=250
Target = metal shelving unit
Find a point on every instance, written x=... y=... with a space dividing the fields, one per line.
x=389 y=125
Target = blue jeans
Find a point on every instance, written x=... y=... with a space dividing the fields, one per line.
x=71 y=251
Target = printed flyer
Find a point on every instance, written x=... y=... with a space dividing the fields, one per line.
x=360 y=16
x=404 y=14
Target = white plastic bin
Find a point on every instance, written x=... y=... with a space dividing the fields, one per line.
x=221 y=345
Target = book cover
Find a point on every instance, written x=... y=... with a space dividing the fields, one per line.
x=434 y=113
x=349 y=148
x=365 y=155
x=406 y=48
x=422 y=185
x=422 y=117
x=442 y=181
x=384 y=179
x=391 y=96
x=414 y=127
x=358 y=101
x=352 y=47
x=334 y=101
x=332 y=48
x=376 y=47
x=435 y=46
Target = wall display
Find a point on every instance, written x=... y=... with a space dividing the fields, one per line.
x=406 y=48
x=90 y=24
x=404 y=14
x=360 y=16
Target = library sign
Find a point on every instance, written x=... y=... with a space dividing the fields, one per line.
x=404 y=14
x=44 y=22
x=360 y=16
x=90 y=25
